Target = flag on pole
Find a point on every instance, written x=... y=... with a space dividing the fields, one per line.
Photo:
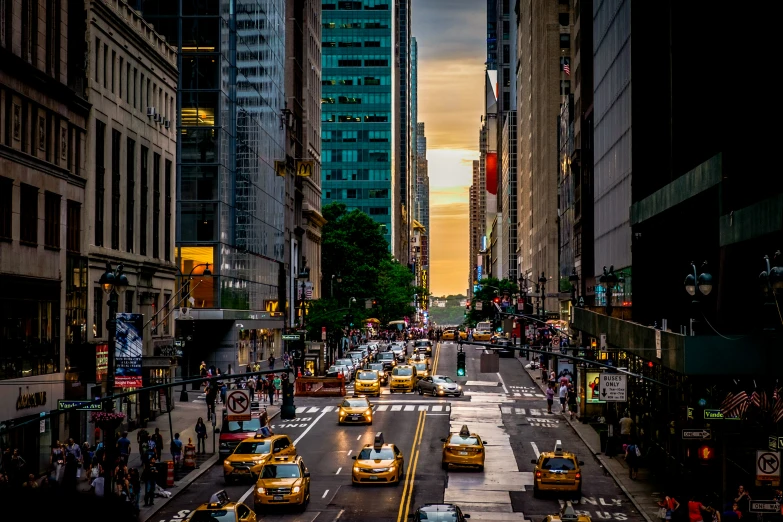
x=566 y=68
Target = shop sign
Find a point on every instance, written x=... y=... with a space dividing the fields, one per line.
x=323 y=333
x=128 y=343
x=101 y=361
x=717 y=415
x=594 y=388
x=30 y=400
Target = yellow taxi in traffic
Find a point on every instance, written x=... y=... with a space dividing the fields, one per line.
x=367 y=382
x=284 y=481
x=448 y=335
x=403 y=379
x=463 y=449
x=252 y=453
x=221 y=509
x=568 y=514
x=356 y=410
x=417 y=357
x=558 y=472
x=422 y=370
x=378 y=463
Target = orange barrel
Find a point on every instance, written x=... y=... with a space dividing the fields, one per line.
x=189 y=460
x=169 y=473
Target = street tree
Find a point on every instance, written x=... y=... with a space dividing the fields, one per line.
x=489 y=289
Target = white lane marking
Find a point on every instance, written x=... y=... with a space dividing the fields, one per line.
x=557 y=444
x=338 y=515
x=505 y=390
x=396 y=407
x=437 y=408
x=313 y=409
x=383 y=407
x=528 y=395
x=359 y=437
x=505 y=409
x=325 y=493
x=423 y=408
x=338 y=471
x=349 y=453
x=326 y=409
x=410 y=407
x=520 y=411
x=535 y=412
x=535 y=449
x=301 y=409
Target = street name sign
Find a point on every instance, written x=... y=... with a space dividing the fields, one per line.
x=291 y=337
x=78 y=405
x=238 y=405
x=716 y=415
x=705 y=434
x=764 y=506
x=775 y=443
x=768 y=467
x=614 y=387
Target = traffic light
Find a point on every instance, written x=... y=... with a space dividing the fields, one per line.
x=497 y=300
x=374 y=303
x=461 y=364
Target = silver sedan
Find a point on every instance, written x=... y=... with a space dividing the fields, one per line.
x=439 y=386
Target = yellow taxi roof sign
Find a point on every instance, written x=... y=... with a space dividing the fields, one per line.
x=378 y=443
x=464 y=432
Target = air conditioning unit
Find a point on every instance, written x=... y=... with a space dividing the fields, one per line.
x=150 y=111
x=156 y=118
x=167 y=124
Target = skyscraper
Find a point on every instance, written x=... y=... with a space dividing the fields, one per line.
x=404 y=127
x=422 y=207
x=359 y=111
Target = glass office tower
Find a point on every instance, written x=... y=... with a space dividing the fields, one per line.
x=357 y=110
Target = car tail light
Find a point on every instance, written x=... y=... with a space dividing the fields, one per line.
x=578 y=475
x=538 y=474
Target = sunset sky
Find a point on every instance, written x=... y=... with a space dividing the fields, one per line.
x=452 y=46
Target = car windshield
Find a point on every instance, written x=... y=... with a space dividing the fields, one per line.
x=281 y=471
x=345 y=361
x=372 y=454
x=437 y=516
x=386 y=355
x=367 y=376
x=421 y=366
x=213 y=515
x=376 y=366
x=443 y=380
x=402 y=372
x=253 y=448
x=355 y=403
x=253 y=425
x=456 y=438
x=558 y=464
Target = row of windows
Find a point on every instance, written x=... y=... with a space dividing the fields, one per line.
x=356 y=80
x=328 y=136
x=357 y=99
x=356 y=174
x=354 y=5
x=341 y=60
x=28 y=217
x=30 y=14
x=373 y=156
x=357 y=194
x=356 y=41
x=378 y=117
x=352 y=23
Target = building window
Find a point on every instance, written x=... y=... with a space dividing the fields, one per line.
x=53 y=38
x=165 y=313
x=156 y=205
x=167 y=224
x=563 y=19
x=6 y=201
x=113 y=69
x=30 y=31
x=73 y=227
x=154 y=319
x=105 y=66
x=130 y=196
x=350 y=193
x=565 y=41
x=100 y=181
x=52 y=220
x=97 y=312
x=97 y=58
x=144 y=195
x=116 y=140
x=128 y=301
x=28 y=214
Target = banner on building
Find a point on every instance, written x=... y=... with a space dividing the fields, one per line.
x=101 y=361
x=280 y=168
x=593 y=389
x=128 y=344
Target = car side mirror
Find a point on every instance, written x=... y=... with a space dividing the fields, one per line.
x=581 y=462
x=307 y=474
x=353 y=457
x=533 y=461
x=466 y=515
x=443 y=440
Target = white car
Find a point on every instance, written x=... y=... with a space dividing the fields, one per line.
x=337 y=369
x=346 y=361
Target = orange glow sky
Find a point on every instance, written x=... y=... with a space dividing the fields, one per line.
x=451 y=42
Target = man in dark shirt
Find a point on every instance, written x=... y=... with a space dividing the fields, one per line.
x=124 y=447
x=150 y=478
x=158 y=438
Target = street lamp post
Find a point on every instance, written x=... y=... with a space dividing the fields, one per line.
x=609 y=280
x=701 y=282
x=542 y=288
x=183 y=395
x=113 y=282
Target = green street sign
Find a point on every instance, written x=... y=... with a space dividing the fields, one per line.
x=717 y=415
x=291 y=337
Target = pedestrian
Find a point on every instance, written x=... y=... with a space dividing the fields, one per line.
x=694 y=510
x=626 y=428
x=552 y=377
x=211 y=392
x=87 y=456
x=75 y=450
x=158 y=439
x=270 y=389
x=563 y=395
x=142 y=436
x=201 y=435
x=124 y=447
x=97 y=486
x=202 y=369
x=150 y=479
x=135 y=487
x=176 y=450
x=667 y=507
x=550 y=397
x=277 y=382
x=30 y=483
x=223 y=392
x=572 y=400
x=714 y=514
x=632 y=456
x=249 y=368
x=57 y=460
x=69 y=474
x=251 y=386
x=742 y=499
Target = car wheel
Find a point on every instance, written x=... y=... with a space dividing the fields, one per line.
x=421 y=391
x=257 y=509
x=434 y=393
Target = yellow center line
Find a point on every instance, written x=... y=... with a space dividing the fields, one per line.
x=437 y=359
x=408 y=487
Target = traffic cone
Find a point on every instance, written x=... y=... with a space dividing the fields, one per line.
x=169 y=473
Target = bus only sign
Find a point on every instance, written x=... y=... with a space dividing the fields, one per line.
x=614 y=387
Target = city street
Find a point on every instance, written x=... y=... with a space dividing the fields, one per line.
x=507 y=409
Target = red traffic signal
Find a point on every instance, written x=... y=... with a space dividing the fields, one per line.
x=497 y=299
x=706 y=453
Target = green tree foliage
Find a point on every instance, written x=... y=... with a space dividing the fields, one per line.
x=489 y=289
x=451 y=314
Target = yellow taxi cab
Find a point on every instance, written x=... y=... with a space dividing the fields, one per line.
x=355 y=410
x=448 y=335
x=417 y=357
x=403 y=379
x=283 y=481
x=221 y=509
x=463 y=449
x=568 y=514
x=251 y=454
x=557 y=471
x=367 y=382
x=422 y=369
x=378 y=463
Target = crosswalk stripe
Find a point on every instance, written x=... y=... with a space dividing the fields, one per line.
x=410 y=407
x=535 y=412
x=383 y=407
x=423 y=407
x=505 y=409
x=327 y=409
x=301 y=409
x=520 y=411
x=396 y=407
x=313 y=410
x=437 y=408
x=528 y=395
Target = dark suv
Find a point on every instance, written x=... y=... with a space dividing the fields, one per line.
x=388 y=360
x=423 y=346
x=504 y=348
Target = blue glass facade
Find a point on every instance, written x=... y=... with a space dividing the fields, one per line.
x=358 y=108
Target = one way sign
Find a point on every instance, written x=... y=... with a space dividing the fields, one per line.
x=614 y=387
x=704 y=434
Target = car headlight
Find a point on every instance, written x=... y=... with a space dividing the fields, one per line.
x=342 y=413
x=224 y=445
x=441 y=387
x=368 y=412
x=261 y=491
x=227 y=462
x=295 y=489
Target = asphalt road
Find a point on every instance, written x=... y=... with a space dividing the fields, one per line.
x=506 y=408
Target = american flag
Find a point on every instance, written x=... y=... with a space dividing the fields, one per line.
x=733 y=403
x=759 y=400
x=777 y=409
x=566 y=68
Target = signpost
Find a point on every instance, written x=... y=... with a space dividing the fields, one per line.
x=764 y=506
x=238 y=405
x=614 y=387
x=704 y=434
x=767 y=468
x=323 y=333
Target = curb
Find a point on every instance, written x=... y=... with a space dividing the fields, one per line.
x=598 y=457
x=185 y=482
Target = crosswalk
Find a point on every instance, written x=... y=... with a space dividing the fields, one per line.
x=431 y=408
x=536 y=417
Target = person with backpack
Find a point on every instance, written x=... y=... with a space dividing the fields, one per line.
x=176 y=450
x=632 y=456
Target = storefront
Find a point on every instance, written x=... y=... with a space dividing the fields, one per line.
x=147 y=405
x=315 y=358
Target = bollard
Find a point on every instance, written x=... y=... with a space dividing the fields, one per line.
x=169 y=473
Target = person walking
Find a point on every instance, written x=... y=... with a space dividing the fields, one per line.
x=142 y=436
x=571 y=399
x=742 y=499
x=176 y=450
x=251 y=386
x=632 y=455
x=158 y=438
x=270 y=389
x=87 y=456
x=135 y=487
x=124 y=447
x=149 y=477
x=277 y=383
x=550 y=397
x=563 y=395
x=626 y=428
x=57 y=460
x=694 y=510
x=201 y=436
x=667 y=508
x=271 y=362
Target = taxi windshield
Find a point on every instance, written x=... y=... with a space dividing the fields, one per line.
x=253 y=425
x=281 y=471
x=402 y=372
x=421 y=366
x=372 y=454
x=355 y=403
x=367 y=376
x=213 y=515
x=458 y=439
x=445 y=380
x=253 y=448
x=376 y=366
x=558 y=464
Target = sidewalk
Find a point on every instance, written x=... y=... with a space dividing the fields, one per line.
x=183 y=421
x=642 y=492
